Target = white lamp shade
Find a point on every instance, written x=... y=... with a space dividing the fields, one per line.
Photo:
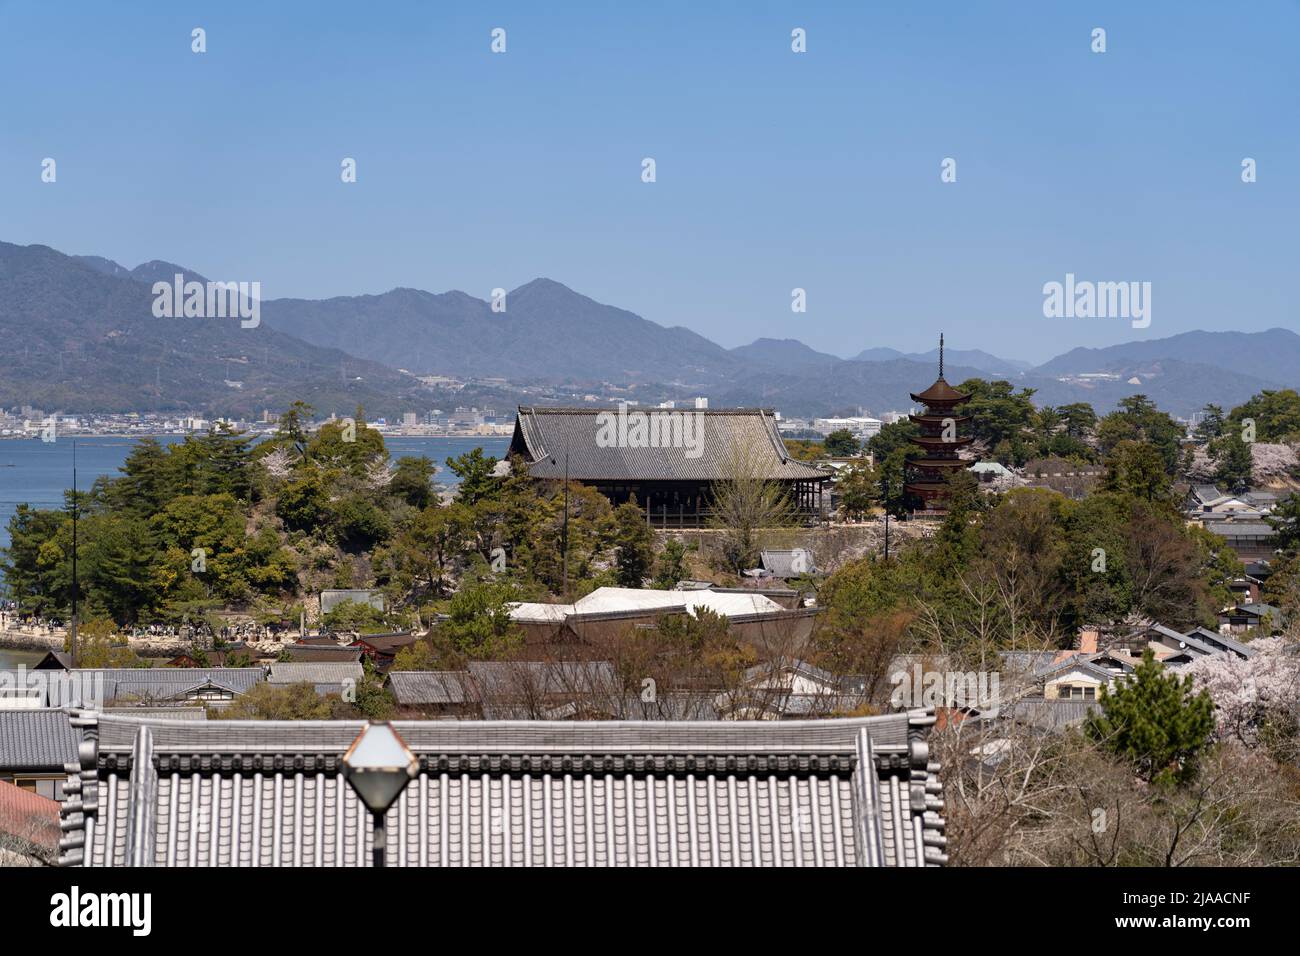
x=379 y=765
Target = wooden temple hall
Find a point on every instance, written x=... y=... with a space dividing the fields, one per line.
x=668 y=459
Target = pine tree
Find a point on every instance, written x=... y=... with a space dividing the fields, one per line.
x=635 y=544
x=1156 y=722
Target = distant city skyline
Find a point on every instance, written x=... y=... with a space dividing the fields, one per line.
x=775 y=170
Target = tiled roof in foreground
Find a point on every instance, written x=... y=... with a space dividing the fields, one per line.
x=510 y=793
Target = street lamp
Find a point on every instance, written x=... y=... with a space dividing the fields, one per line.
x=378 y=766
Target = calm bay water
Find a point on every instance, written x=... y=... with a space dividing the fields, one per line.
x=37 y=472
x=9 y=660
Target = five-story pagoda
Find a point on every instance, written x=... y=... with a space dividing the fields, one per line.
x=940 y=439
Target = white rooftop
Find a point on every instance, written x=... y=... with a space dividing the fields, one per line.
x=607 y=600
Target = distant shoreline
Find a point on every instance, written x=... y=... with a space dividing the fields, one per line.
x=134 y=435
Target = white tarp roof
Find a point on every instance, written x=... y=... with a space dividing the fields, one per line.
x=611 y=600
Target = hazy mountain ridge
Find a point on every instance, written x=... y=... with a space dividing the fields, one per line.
x=548 y=333
x=79 y=337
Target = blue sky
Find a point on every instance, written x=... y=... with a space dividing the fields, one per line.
x=775 y=170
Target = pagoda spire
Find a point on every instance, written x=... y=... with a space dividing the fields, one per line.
x=941 y=355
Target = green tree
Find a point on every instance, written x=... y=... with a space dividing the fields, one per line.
x=277 y=702
x=1210 y=426
x=1001 y=417
x=634 y=544
x=431 y=547
x=842 y=444
x=1078 y=418
x=1137 y=468
x=478 y=621
x=1276 y=415
x=1139 y=420
x=1234 y=465
x=304 y=504
x=292 y=429
x=670 y=566
x=413 y=481
x=474 y=470
x=356 y=616
x=1156 y=722
x=858 y=488
x=1285 y=521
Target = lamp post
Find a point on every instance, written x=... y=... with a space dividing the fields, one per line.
x=564 y=533
x=72 y=624
x=378 y=766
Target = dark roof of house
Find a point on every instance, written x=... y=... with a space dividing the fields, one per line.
x=95 y=687
x=311 y=672
x=1082 y=662
x=1241 y=529
x=1205 y=635
x=542 y=435
x=54 y=660
x=386 y=643
x=174 y=712
x=1029 y=662
x=412 y=688
x=165 y=683
x=36 y=740
x=322 y=653
x=1204 y=493
x=525 y=679
x=1048 y=714
x=1254 y=610
x=860 y=791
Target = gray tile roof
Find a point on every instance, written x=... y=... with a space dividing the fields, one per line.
x=1048 y=714
x=323 y=654
x=1241 y=529
x=412 y=688
x=35 y=740
x=167 y=683
x=1204 y=493
x=781 y=562
x=1029 y=662
x=314 y=672
x=543 y=434
x=1215 y=639
x=502 y=680
x=719 y=793
x=95 y=687
x=163 y=713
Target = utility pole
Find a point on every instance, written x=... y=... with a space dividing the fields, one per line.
x=564 y=536
x=564 y=533
x=72 y=625
x=886 y=535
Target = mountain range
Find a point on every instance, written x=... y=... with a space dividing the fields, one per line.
x=80 y=336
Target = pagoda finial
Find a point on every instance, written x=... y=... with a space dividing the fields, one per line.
x=941 y=355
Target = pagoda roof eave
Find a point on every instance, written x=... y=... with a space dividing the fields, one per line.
x=941 y=392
